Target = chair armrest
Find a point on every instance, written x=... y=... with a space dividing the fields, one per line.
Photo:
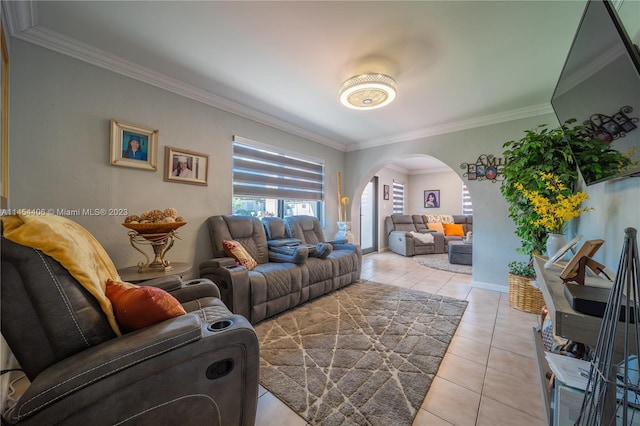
x=233 y=283
x=196 y=289
x=98 y=362
x=168 y=283
x=219 y=262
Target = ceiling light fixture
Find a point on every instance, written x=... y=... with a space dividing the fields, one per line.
x=368 y=91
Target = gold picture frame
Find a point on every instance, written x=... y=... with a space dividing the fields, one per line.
x=4 y=119
x=186 y=166
x=124 y=151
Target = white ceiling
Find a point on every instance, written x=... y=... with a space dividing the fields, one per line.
x=458 y=64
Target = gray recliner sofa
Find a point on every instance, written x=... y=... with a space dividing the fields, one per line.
x=277 y=283
x=403 y=234
x=194 y=369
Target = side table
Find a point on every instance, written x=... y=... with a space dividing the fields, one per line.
x=132 y=275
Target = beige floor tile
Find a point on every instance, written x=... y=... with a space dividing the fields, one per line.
x=469 y=349
x=473 y=331
x=483 y=319
x=493 y=413
x=525 y=397
x=523 y=369
x=455 y=292
x=428 y=286
x=425 y=418
x=463 y=372
x=452 y=403
x=273 y=412
x=514 y=343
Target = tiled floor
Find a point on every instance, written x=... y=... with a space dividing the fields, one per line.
x=489 y=375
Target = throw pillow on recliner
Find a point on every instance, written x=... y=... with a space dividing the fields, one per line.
x=436 y=226
x=137 y=307
x=234 y=249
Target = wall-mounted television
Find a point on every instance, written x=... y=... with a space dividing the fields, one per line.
x=599 y=91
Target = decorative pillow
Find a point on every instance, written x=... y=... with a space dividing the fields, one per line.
x=442 y=218
x=234 y=249
x=138 y=307
x=453 y=230
x=436 y=226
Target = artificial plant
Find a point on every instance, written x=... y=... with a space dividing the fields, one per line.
x=542 y=151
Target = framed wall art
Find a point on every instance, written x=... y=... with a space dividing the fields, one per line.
x=385 y=192
x=185 y=166
x=133 y=146
x=431 y=198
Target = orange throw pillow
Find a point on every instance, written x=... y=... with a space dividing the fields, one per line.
x=453 y=230
x=436 y=226
x=234 y=249
x=138 y=307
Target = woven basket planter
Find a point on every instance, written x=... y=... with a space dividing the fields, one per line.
x=523 y=296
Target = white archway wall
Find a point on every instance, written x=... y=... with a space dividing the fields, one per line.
x=495 y=242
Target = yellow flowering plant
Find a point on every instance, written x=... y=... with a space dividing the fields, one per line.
x=556 y=206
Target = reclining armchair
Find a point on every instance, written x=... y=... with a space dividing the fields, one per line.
x=199 y=368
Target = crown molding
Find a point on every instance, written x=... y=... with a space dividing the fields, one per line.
x=21 y=18
x=485 y=120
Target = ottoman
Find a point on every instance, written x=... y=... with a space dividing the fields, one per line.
x=460 y=253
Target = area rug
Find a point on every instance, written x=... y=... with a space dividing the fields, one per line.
x=362 y=355
x=441 y=262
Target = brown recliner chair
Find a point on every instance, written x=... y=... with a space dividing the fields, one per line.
x=195 y=369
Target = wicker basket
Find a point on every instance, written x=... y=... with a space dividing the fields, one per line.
x=523 y=296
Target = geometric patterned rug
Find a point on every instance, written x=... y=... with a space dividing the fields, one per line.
x=364 y=354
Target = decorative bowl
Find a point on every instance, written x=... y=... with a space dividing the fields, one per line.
x=154 y=228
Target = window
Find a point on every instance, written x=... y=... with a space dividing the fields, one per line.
x=271 y=183
x=467 y=207
x=398 y=197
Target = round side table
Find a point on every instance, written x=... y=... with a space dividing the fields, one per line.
x=132 y=275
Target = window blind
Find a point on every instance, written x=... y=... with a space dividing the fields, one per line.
x=398 y=197
x=261 y=172
x=467 y=207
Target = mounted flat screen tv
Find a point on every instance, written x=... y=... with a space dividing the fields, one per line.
x=599 y=93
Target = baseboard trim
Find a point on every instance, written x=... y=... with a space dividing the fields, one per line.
x=490 y=286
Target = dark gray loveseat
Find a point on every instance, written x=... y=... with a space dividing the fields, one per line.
x=275 y=284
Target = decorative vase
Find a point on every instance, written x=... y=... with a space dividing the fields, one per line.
x=554 y=243
x=344 y=232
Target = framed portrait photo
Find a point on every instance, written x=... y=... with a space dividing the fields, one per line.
x=185 y=166
x=385 y=192
x=133 y=146
x=431 y=198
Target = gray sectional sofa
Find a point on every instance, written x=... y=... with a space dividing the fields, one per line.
x=405 y=234
x=294 y=263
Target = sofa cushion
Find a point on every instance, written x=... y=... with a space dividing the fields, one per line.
x=451 y=230
x=234 y=249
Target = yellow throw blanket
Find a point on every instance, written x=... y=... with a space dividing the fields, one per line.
x=73 y=247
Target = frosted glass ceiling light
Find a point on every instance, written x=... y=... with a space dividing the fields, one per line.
x=368 y=91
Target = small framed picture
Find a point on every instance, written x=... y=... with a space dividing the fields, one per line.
x=133 y=146
x=185 y=166
x=385 y=192
x=431 y=198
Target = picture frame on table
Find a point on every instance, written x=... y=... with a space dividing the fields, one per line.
x=185 y=166
x=431 y=198
x=134 y=146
